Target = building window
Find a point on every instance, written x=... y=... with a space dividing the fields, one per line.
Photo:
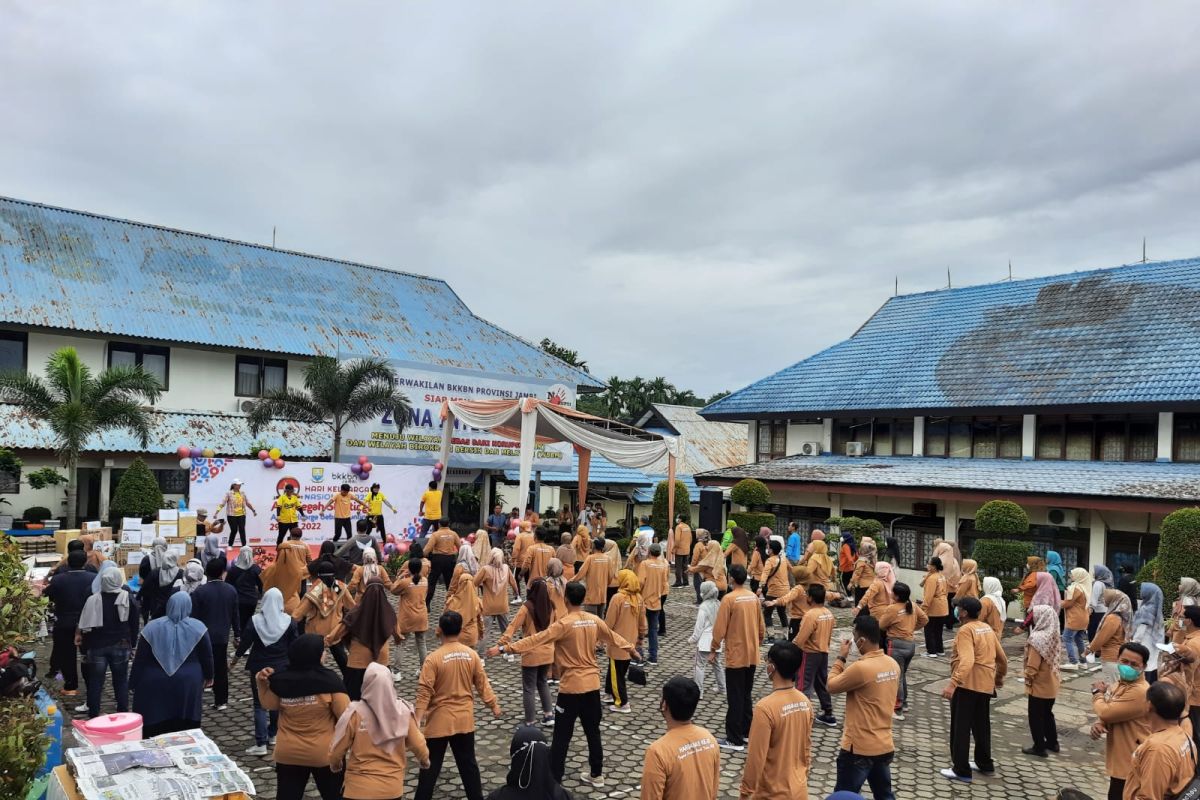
x=155 y=360
x=880 y=436
x=1050 y=437
x=10 y=482
x=1187 y=437
x=973 y=437
x=256 y=376
x=14 y=350
x=1100 y=437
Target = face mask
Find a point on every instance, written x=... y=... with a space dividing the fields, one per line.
x=1180 y=624
x=1127 y=672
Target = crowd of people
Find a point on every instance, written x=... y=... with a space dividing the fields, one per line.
x=578 y=596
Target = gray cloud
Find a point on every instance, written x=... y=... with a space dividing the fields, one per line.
x=703 y=190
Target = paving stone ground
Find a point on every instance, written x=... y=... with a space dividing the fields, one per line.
x=921 y=740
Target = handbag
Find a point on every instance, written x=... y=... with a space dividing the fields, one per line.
x=1192 y=790
x=636 y=674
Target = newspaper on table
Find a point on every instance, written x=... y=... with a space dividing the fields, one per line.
x=186 y=765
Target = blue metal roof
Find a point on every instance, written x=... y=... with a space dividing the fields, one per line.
x=1122 y=335
x=601 y=472
x=1158 y=481
x=227 y=434
x=647 y=495
x=80 y=271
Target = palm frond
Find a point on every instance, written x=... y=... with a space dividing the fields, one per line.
x=72 y=426
x=116 y=413
x=127 y=384
x=27 y=391
x=284 y=404
x=374 y=399
x=67 y=374
x=321 y=372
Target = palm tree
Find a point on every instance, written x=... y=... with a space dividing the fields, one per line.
x=339 y=393
x=77 y=404
x=614 y=397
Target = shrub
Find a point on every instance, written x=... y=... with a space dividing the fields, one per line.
x=750 y=522
x=1003 y=559
x=623 y=546
x=23 y=745
x=1001 y=518
x=137 y=494
x=46 y=476
x=658 y=514
x=750 y=493
x=1151 y=571
x=1178 y=551
x=37 y=514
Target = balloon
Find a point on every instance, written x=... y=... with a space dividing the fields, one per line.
x=513 y=524
x=367 y=467
x=437 y=474
x=279 y=463
x=263 y=454
x=439 y=465
x=208 y=452
x=195 y=452
x=275 y=453
x=403 y=546
x=184 y=451
x=471 y=538
x=366 y=476
x=268 y=462
x=512 y=534
x=356 y=469
x=362 y=459
x=185 y=463
x=389 y=548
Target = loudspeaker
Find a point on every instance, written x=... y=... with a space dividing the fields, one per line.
x=712 y=508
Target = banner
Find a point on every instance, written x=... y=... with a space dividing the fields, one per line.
x=420 y=441
x=315 y=482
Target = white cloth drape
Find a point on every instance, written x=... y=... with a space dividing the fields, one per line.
x=619 y=449
x=486 y=421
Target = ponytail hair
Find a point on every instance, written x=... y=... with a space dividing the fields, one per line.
x=415 y=565
x=902 y=593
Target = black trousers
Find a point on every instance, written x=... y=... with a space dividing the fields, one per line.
x=767 y=612
x=681 y=565
x=1116 y=789
x=696 y=581
x=933 y=635
x=815 y=672
x=293 y=780
x=284 y=527
x=341 y=524
x=739 y=684
x=338 y=651
x=245 y=613
x=970 y=717
x=950 y=616
x=220 y=673
x=568 y=708
x=1041 y=724
x=64 y=657
x=1194 y=716
x=846 y=576
x=615 y=680
x=463 y=747
x=793 y=628
x=353 y=678
x=662 y=616
x=237 y=527
x=440 y=567
x=378 y=524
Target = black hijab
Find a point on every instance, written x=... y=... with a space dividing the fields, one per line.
x=304 y=675
x=529 y=773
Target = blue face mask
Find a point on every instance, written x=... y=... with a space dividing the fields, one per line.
x=1128 y=673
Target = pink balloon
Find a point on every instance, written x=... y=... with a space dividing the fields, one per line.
x=439 y=465
x=184 y=451
x=471 y=538
x=279 y=463
x=403 y=546
x=362 y=459
x=263 y=455
x=368 y=466
x=512 y=534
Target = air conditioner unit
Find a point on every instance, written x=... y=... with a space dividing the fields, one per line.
x=855 y=448
x=1063 y=517
x=244 y=406
x=810 y=448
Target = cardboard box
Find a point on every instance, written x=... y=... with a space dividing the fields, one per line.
x=130 y=570
x=187 y=525
x=62 y=537
x=166 y=530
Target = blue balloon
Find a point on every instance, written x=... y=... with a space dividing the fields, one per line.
x=268 y=462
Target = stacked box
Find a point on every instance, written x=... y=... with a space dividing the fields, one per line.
x=63 y=537
x=35 y=545
x=103 y=534
x=187 y=525
x=166 y=530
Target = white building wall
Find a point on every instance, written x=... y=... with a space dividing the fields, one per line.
x=798 y=434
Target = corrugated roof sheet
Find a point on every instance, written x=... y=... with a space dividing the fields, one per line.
x=601 y=472
x=647 y=495
x=1077 y=478
x=80 y=271
x=227 y=434
x=706 y=445
x=1128 y=334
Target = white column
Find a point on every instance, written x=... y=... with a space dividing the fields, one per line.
x=1028 y=437
x=950 y=515
x=918 y=436
x=827 y=437
x=105 y=490
x=1166 y=434
x=1098 y=538
x=485 y=497
x=752 y=443
x=835 y=504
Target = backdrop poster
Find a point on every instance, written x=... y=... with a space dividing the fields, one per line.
x=420 y=441
x=315 y=482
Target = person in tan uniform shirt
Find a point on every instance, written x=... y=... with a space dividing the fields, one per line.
x=774 y=583
x=1189 y=649
x=495 y=579
x=534 y=616
x=861 y=578
x=450 y=678
x=976 y=671
x=899 y=622
x=935 y=605
x=626 y=618
x=1075 y=616
x=1164 y=764
x=464 y=598
x=879 y=594
x=442 y=551
x=653 y=574
x=1121 y=715
x=412 y=618
x=369 y=627
x=871 y=685
x=594 y=575
x=582 y=544
x=685 y=762
x=699 y=549
x=537 y=555
x=740 y=627
x=520 y=550
x=968 y=581
x=1043 y=651
x=711 y=566
x=780 y=753
x=813 y=638
x=681 y=548
x=371 y=739
x=575 y=637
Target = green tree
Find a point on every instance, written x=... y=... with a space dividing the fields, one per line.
x=563 y=354
x=1178 y=551
x=23 y=745
x=138 y=493
x=717 y=397
x=750 y=493
x=658 y=513
x=340 y=393
x=1002 y=553
x=76 y=405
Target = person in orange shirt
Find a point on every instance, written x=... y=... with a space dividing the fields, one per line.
x=1043 y=651
x=442 y=551
x=464 y=598
x=343 y=504
x=594 y=575
x=534 y=616
x=582 y=544
x=538 y=554
x=976 y=671
x=685 y=762
x=699 y=551
x=816 y=631
x=774 y=583
x=899 y=622
x=1163 y=765
x=681 y=547
x=450 y=677
x=653 y=573
x=323 y=605
x=369 y=626
x=758 y=557
x=780 y=753
x=741 y=628
x=495 y=578
x=627 y=618
x=411 y=615
x=1121 y=715
x=935 y=605
x=520 y=558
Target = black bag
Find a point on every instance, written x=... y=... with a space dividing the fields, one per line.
x=1192 y=790
x=637 y=674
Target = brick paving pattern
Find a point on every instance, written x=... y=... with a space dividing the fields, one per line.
x=921 y=740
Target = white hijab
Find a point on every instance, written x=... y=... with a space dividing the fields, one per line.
x=992 y=590
x=272 y=622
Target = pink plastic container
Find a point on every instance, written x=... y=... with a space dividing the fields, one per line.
x=109 y=728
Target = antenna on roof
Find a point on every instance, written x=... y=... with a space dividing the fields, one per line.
x=948 y=285
x=897 y=293
x=272 y=237
x=1010 y=269
x=1143 y=249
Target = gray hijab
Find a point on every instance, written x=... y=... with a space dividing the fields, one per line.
x=245 y=558
x=212 y=548
x=168 y=568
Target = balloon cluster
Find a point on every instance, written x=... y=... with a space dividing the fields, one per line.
x=271 y=458
x=187 y=453
x=362 y=468
x=437 y=471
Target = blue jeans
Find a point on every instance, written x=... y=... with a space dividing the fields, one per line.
x=266 y=723
x=100 y=660
x=652 y=629
x=854 y=770
x=1075 y=643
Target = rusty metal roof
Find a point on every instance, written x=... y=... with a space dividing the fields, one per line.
x=81 y=271
x=227 y=434
x=705 y=445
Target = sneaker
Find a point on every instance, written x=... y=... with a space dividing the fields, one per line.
x=516 y=601
x=828 y=719
x=1072 y=667
x=954 y=776
x=652 y=662
x=904 y=708
x=725 y=744
x=271 y=741
x=1091 y=658
x=898 y=716
x=985 y=772
x=1033 y=751
x=221 y=707
x=81 y=708
x=397 y=676
x=257 y=750
x=625 y=709
x=592 y=780
x=509 y=657
x=548 y=720
x=552 y=682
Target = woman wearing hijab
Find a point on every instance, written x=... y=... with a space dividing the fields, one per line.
x=482 y=547
x=1114 y=629
x=758 y=557
x=1102 y=581
x=869 y=550
x=738 y=551
x=1075 y=617
x=1028 y=585
x=1054 y=565
x=212 y=548
x=1046 y=592
x=847 y=557
x=1188 y=595
x=879 y=595
x=862 y=578
x=495 y=578
x=172 y=666
x=323 y=605
x=995 y=609
x=529 y=774
x=817 y=559
x=309 y=699
x=368 y=572
x=626 y=617
x=369 y=626
x=267 y=638
x=566 y=552
x=582 y=544
x=534 y=616
x=968 y=582
x=935 y=606
x=148 y=576
x=165 y=578
x=245 y=576
x=706 y=618
x=1043 y=651
x=108 y=627
x=711 y=566
x=371 y=739
x=556 y=586
x=464 y=598
x=287 y=573
x=614 y=566
x=191 y=577
x=951 y=572
x=1148 y=625
x=94 y=557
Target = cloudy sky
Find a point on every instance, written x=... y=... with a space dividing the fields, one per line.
x=707 y=191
